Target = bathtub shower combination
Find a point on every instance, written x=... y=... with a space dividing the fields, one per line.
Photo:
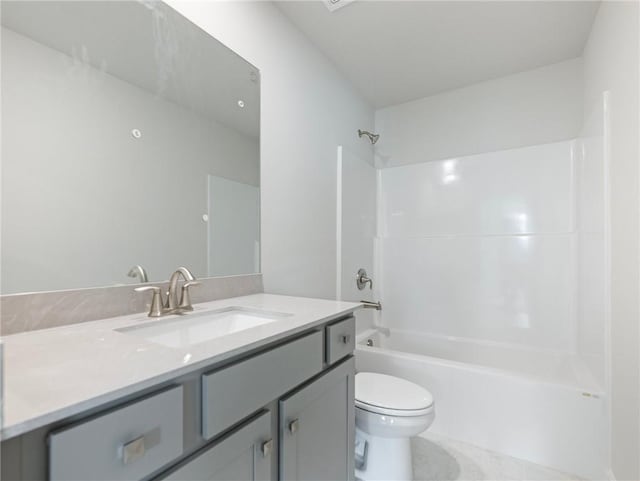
x=491 y=270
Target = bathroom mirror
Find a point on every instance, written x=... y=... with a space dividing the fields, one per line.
x=130 y=137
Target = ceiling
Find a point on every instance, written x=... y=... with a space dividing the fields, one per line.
x=397 y=51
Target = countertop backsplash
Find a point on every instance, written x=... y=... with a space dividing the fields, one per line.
x=42 y=310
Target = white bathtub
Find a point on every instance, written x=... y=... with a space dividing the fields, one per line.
x=541 y=406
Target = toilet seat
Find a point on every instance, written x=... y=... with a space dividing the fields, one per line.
x=391 y=396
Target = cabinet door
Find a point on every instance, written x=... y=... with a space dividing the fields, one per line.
x=317 y=427
x=243 y=455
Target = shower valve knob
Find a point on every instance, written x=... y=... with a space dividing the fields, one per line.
x=362 y=279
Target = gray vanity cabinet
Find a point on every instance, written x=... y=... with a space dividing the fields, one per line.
x=234 y=392
x=285 y=411
x=316 y=428
x=129 y=442
x=244 y=455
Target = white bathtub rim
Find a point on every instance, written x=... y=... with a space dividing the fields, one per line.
x=469 y=340
x=519 y=377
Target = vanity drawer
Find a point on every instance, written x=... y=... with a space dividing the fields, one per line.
x=340 y=339
x=234 y=392
x=127 y=443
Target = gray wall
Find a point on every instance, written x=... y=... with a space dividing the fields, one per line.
x=82 y=200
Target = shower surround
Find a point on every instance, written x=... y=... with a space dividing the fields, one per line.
x=492 y=272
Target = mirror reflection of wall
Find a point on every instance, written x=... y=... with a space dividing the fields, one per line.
x=234 y=227
x=108 y=159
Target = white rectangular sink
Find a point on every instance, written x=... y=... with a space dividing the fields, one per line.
x=196 y=327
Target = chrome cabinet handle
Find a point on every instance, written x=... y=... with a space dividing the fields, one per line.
x=345 y=338
x=293 y=426
x=266 y=448
x=133 y=450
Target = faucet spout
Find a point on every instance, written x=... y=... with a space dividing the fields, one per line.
x=372 y=305
x=138 y=271
x=172 y=302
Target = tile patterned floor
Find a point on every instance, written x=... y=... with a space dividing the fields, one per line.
x=436 y=458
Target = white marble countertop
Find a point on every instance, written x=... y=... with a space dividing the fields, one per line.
x=52 y=374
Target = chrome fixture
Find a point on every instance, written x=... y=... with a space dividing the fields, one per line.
x=185 y=297
x=138 y=271
x=370 y=342
x=373 y=138
x=372 y=305
x=267 y=448
x=156 y=309
x=172 y=305
x=293 y=426
x=184 y=303
x=362 y=279
x=133 y=450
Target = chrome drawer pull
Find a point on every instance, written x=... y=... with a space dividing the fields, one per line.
x=133 y=450
x=267 y=447
x=293 y=426
x=345 y=339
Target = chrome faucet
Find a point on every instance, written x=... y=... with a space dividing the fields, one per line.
x=156 y=309
x=184 y=303
x=173 y=305
x=138 y=271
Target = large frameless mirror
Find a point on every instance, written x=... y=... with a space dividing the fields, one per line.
x=130 y=146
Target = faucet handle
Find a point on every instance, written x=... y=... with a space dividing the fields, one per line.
x=185 y=298
x=156 y=309
x=362 y=279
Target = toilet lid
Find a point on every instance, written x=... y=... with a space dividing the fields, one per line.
x=381 y=393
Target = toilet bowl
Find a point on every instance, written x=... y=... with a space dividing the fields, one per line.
x=389 y=410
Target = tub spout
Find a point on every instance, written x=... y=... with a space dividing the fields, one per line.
x=372 y=305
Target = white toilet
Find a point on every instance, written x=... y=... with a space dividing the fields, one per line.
x=389 y=410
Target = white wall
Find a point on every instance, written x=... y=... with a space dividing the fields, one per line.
x=592 y=289
x=535 y=107
x=357 y=221
x=480 y=247
x=83 y=200
x=611 y=63
x=307 y=110
x=234 y=228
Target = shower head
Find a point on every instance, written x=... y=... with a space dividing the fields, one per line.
x=373 y=138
